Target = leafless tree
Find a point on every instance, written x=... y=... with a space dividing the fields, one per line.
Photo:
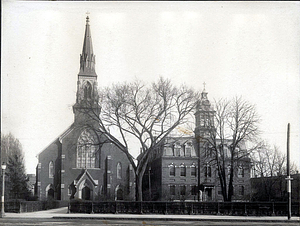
x=146 y=114
x=235 y=123
x=270 y=166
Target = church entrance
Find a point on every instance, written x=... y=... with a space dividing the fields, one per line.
x=50 y=194
x=86 y=193
x=119 y=193
x=208 y=194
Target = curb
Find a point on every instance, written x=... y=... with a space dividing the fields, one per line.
x=179 y=219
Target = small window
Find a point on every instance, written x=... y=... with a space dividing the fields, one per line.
x=177 y=148
x=241 y=172
x=172 y=170
x=182 y=170
x=193 y=190
x=182 y=189
x=242 y=190
x=193 y=170
x=207 y=171
x=172 y=189
x=188 y=149
x=51 y=169
x=119 y=170
x=220 y=191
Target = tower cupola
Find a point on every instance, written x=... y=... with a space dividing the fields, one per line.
x=204 y=115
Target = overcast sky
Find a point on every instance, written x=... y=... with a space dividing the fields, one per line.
x=248 y=49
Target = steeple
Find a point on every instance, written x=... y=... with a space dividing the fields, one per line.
x=87 y=58
x=87 y=94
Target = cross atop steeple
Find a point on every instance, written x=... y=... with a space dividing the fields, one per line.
x=204 y=84
x=87 y=16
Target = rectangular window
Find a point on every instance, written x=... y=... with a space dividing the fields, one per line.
x=193 y=190
x=207 y=171
x=172 y=170
x=182 y=171
x=172 y=189
x=220 y=191
x=242 y=190
x=241 y=172
x=182 y=189
x=193 y=171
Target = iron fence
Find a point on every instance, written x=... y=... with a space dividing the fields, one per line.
x=215 y=208
x=20 y=206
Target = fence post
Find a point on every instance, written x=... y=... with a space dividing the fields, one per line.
x=246 y=209
x=68 y=207
x=166 y=212
x=218 y=213
x=192 y=208
x=116 y=208
x=141 y=206
x=92 y=208
x=273 y=209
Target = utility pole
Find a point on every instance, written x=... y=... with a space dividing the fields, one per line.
x=289 y=179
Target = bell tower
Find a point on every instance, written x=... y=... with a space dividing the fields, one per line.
x=204 y=117
x=86 y=107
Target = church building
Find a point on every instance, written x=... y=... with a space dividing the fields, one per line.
x=81 y=163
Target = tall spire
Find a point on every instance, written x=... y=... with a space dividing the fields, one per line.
x=87 y=58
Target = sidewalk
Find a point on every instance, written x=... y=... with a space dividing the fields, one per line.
x=61 y=213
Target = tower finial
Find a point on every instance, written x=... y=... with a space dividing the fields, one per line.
x=87 y=16
x=204 y=84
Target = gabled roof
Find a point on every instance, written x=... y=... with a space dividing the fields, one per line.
x=59 y=138
x=85 y=174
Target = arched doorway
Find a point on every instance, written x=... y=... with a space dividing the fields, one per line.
x=50 y=194
x=86 y=193
x=85 y=190
x=119 y=193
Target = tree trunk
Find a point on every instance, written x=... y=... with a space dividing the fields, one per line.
x=139 y=181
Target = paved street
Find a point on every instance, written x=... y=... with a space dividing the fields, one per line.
x=61 y=217
x=87 y=222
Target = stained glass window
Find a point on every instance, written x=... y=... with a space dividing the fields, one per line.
x=119 y=171
x=86 y=150
x=51 y=169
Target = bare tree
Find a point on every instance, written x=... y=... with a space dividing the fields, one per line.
x=270 y=166
x=234 y=123
x=142 y=114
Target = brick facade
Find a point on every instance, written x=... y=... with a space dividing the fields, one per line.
x=183 y=168
x=80 y=163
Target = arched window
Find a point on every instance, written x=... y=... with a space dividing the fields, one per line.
x=119 y=170
x=172 y=169
x=241 y=172
x=88 y=91
x=182 y=170
x=86 y=150
x=242 y=190
x=207 y=171
x=51 y=169
x=193 y=170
